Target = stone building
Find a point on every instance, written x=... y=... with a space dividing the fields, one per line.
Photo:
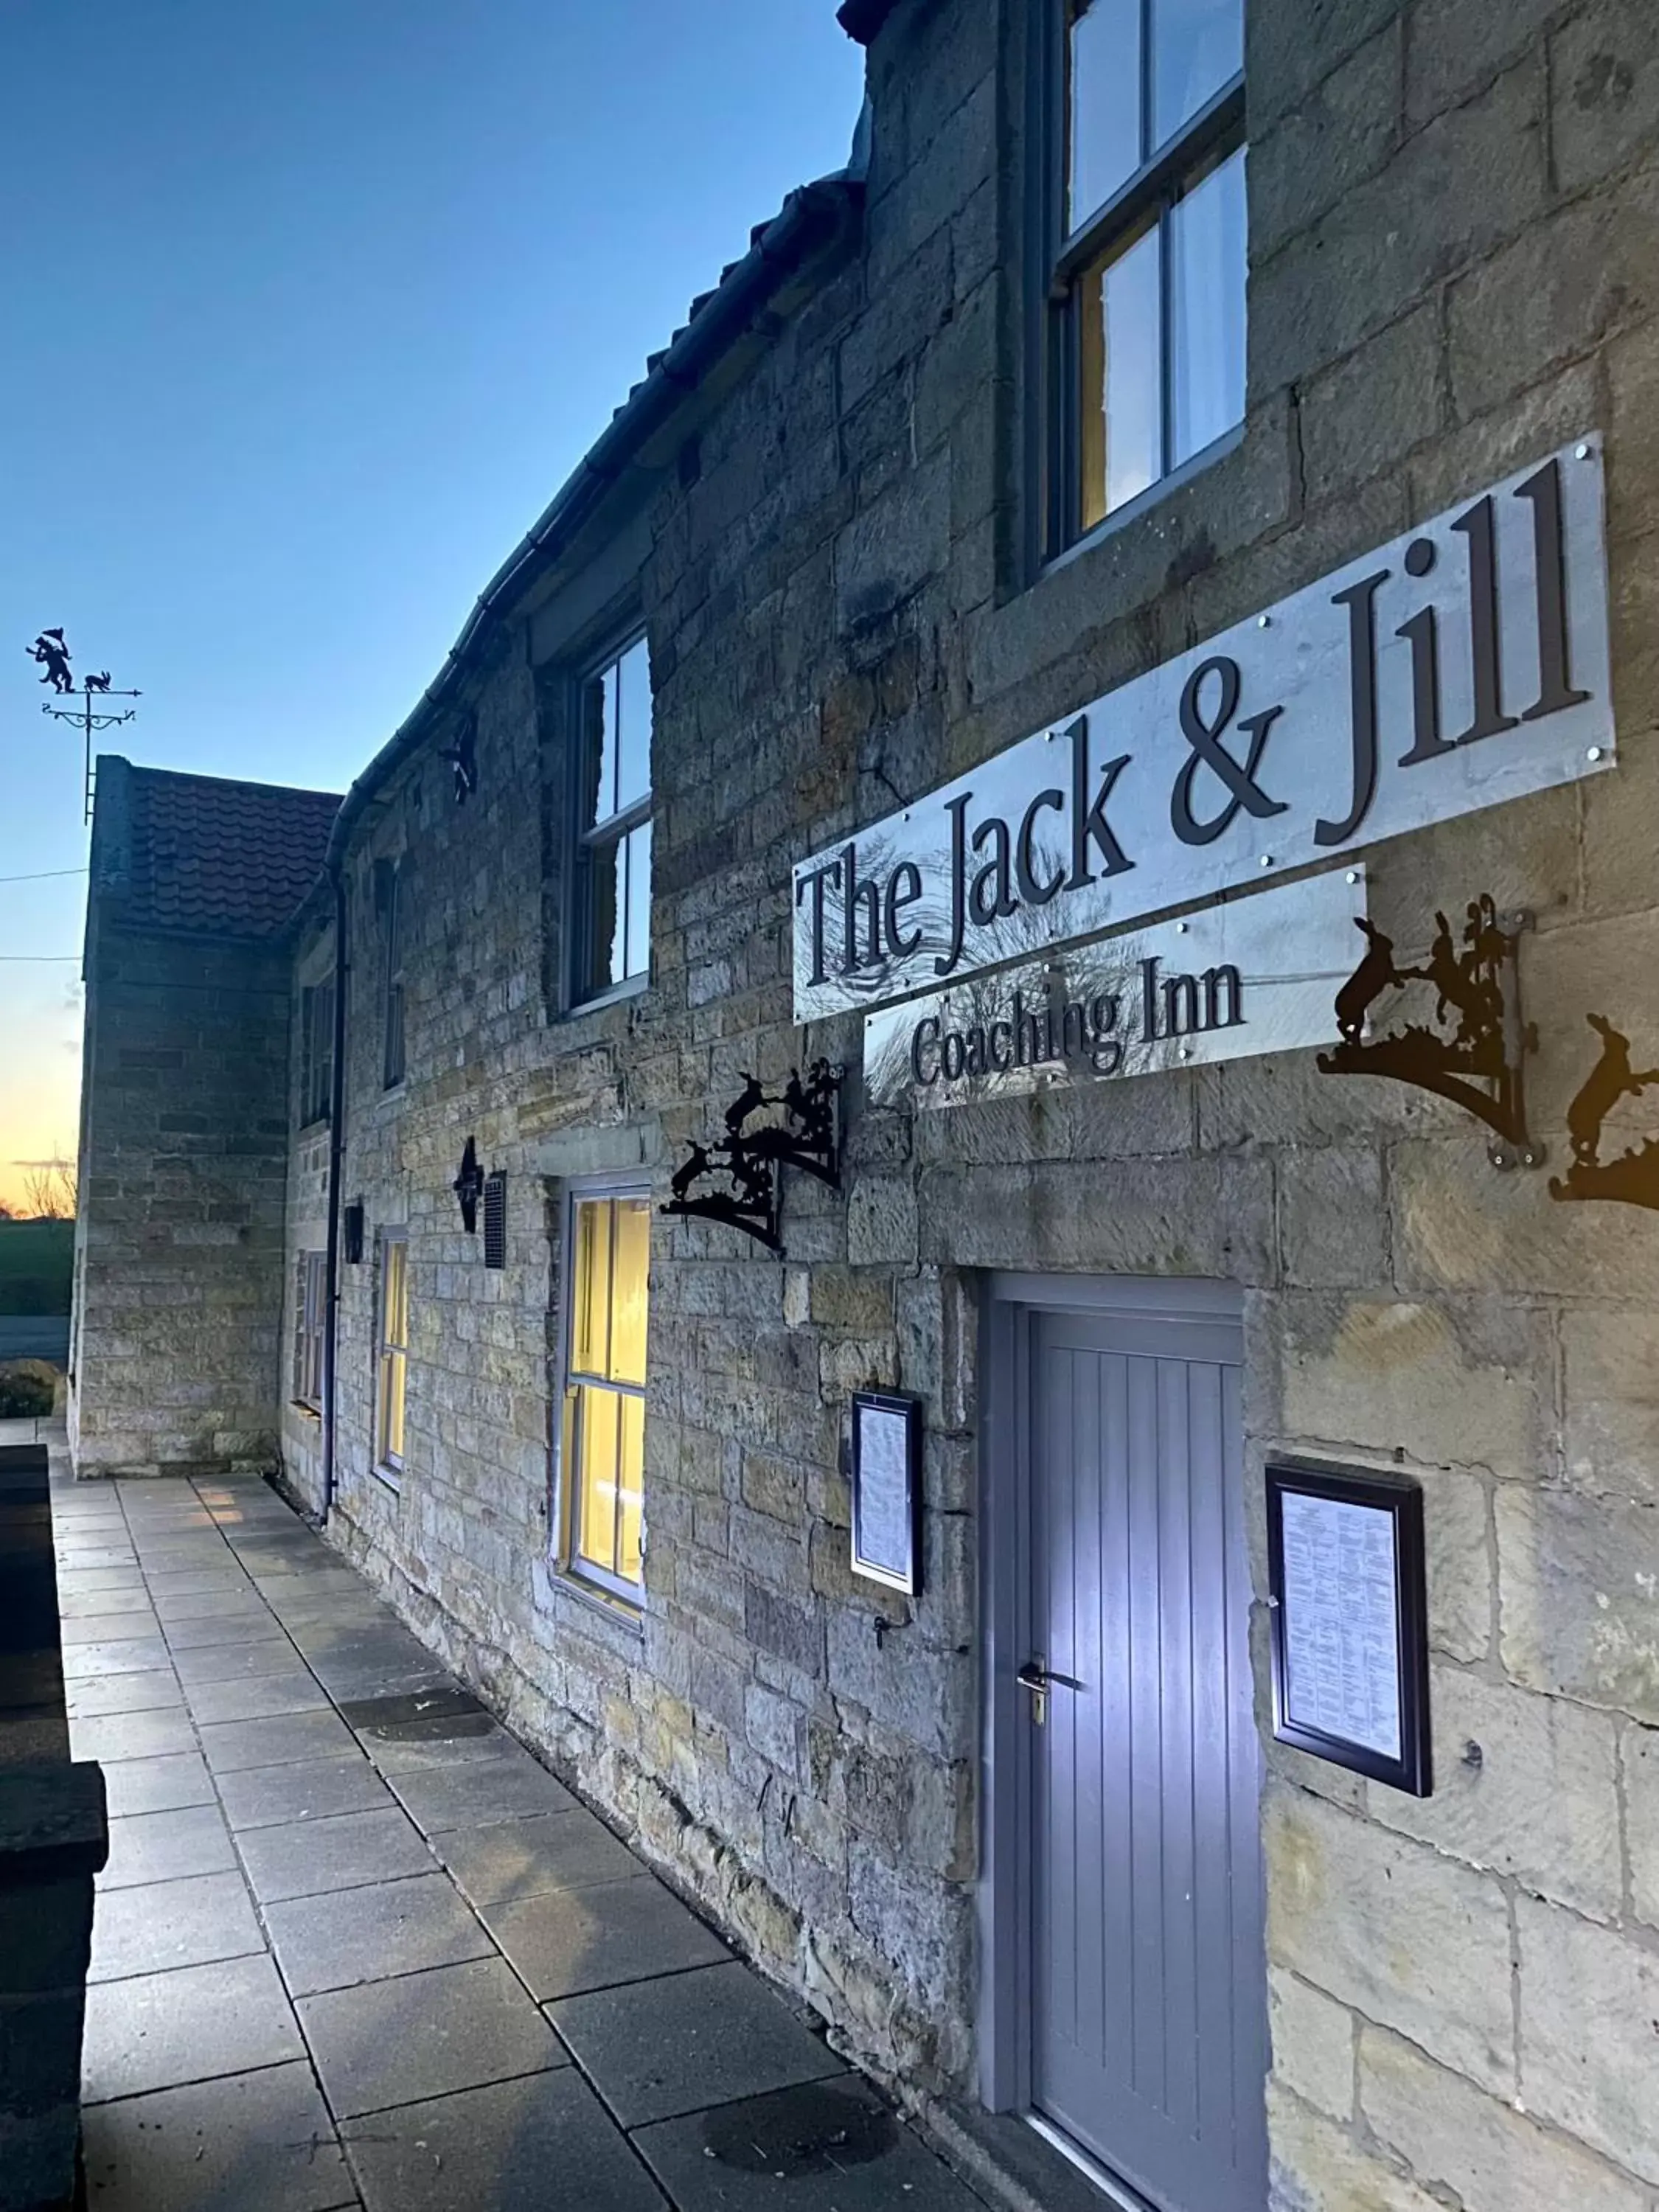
x=1188 y=488
x=179 y=1251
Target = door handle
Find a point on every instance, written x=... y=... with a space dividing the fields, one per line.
x=1037 y=1679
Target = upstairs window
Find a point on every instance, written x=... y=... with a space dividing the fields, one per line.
x=1147 y=261
x=611 y=934
x=316 y=1052
x=391 y=892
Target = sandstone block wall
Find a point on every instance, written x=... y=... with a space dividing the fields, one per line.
x=180 y=1239
x=1454 y=237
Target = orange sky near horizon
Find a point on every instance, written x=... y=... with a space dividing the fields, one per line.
x=39 y=1016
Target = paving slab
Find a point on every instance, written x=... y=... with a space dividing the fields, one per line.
x=231 y=1745
x=195 y=1582
x=451 y=1743
x=530 y=1858
x=265 y=1696
x=544 y=2140
x=76 y=1582
x=84 y=1627
x=825 y=2147
x=159 y=2031
x=238 y=1661
x=237 y=1631
x=595 y=1939
x=505 y=1787
x=147 y=1692
x=131 y=1655
x=655 y=2050
x=107 y=1737
x=161 y=1924
x=249 y=2142
x=422 y=2035
x=157 y=1785
x=371 y=1934
x=346 y=1850
x=226 y=1597
x=308 y=1790
x=163 y=1846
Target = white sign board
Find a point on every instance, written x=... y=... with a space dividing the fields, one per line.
x=1256 y=975
x=1464 y=665
x=1341 y=1628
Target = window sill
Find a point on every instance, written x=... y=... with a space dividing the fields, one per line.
x=309 y=1412
x=621 y=1612
x=1132 y=511
x=618 y=994
x=391 y=1476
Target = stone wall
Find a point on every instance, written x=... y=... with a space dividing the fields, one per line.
x=1455 y=221
x=180 y=1241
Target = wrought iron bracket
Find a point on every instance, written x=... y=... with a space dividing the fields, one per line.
x=468 y=1188
x=1475 y=1051
x=1633 y=1179
x=748 y=1160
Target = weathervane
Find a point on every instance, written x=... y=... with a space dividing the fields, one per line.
x=53 y=655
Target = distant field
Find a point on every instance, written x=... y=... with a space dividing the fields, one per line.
x=36 y=1261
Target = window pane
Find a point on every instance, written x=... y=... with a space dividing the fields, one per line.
x=630 y=1280
x=634 y=726
x=1104 y=69
x=392 y=1429
x=1197 y=46
x=592 y=799
x=631 y=1497
x=607 y=916
x=591 y=1293
x=596 y=1476
x=637 y=953
x=1120 y=448
x=397 y=1293
x=1206 y=309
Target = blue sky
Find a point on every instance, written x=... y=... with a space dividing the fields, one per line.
x=311 y=307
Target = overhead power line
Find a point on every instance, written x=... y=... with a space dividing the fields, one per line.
x=40 y=875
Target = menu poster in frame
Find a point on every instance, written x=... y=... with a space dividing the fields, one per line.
x=1348 y=1600
x=887 y=1489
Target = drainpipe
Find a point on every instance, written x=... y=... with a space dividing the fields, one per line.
x=336 y=1158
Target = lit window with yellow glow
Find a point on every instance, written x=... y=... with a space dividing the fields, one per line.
x=394 y=1355
x=604 y=1457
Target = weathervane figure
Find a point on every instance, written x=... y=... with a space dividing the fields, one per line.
x=51 y=651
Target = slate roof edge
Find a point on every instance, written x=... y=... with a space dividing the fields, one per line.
x=813 y=218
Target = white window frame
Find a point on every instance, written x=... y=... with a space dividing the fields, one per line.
x=394 y=1047
x=316 y=1051
x=310 y=1329
x=388 y=1463
x=1145 y=199
x=586 y=839
x=617 y=1589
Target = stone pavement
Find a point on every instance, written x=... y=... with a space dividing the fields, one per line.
x=354 y=1946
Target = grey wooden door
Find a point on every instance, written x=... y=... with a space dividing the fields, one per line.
x=1147 y=1982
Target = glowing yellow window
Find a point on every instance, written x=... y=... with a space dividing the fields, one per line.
x=394 y=1353
x=610 y=1266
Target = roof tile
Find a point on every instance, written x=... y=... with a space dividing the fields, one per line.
x=215 y=858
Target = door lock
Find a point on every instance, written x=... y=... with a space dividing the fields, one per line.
x=1036 y=1677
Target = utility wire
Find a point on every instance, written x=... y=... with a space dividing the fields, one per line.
x=43 y=959
x=42 y=875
